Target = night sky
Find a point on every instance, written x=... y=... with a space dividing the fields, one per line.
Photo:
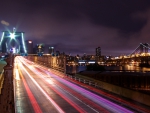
x=79 y=26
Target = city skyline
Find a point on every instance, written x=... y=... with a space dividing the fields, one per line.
x=79 y=27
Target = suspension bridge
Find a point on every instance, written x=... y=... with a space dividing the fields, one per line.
x=139 y=57
x=143 y=48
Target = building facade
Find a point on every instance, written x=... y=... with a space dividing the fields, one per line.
x=29 y=46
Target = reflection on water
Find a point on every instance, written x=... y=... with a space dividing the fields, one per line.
x=76 y=69
x=128 y=68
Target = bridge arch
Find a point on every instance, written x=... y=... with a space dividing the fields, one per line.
x=13 y=41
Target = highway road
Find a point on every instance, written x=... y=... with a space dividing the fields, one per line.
x=41 y=90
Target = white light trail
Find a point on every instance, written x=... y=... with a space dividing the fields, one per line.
x=17 y=77
x=50 y=99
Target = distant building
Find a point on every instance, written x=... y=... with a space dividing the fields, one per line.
x=98 y=51
x=39 y=48
x=84 y=56
x=51 y=50
x=29 y=46
x=98 y=54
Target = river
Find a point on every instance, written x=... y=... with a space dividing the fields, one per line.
x=76 y=69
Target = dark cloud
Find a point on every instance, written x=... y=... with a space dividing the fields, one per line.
x=79 y=26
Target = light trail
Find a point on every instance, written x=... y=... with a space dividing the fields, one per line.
x=93 y=97
x=76 y=95
x=78 y=108
x=17 y=77
x=50 y=82
x=55 y=73
x=33 y=101
x=99 y=100
x=109 y=105
x=15 y=71
x=50 y=99
x=122 y=101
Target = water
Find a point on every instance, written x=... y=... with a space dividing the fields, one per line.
x=128 y=68
x=76 y=69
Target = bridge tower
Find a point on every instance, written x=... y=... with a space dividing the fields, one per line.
x=144 y=48
x=13 y=41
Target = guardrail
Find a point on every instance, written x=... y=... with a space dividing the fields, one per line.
x=84 y=80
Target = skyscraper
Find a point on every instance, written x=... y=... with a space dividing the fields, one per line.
x=51 y=50
x=98 y=51
x=29 y=46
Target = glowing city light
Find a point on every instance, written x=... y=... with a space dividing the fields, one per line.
x=14 y=50
x=30 y=41
x=91 y=62
x=81 y=62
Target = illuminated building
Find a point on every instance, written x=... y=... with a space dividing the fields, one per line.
x=29 y=46
x=40 y=48
x=13 y=41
